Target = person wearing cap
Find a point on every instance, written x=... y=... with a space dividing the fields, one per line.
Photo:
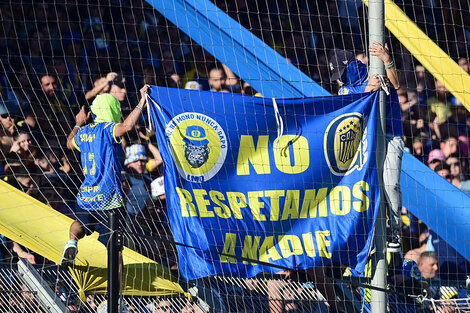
x=353 y=77
x=101 y=153
x=435 y=157
x=138 y=178
x=9 y=118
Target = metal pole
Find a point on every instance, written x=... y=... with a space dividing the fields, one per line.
x=379 y=262
x=113 y=263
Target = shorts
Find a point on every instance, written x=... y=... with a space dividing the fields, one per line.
x=98 y=220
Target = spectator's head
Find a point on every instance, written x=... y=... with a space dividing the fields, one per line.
x=346 y=69
x=444 y=171
x=100 y=80
x=418 y=144
x=118 y=91
x=22 y=176
x=454 y=163
x=9 y=115
x=106 y=108
x=217 y=79
x=464 y=146
x=428 y=264
x=136 y=158
x=441 y=91
x=450 y=145
x=435 y=157
x=23 y=140
x=49 y=85
x=362 y=57
x=175 y=81
x=420 y=72
x=463 y=63
x=44 y=162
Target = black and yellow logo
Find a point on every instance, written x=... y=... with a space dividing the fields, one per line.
x=345 y=144
x=198 y=145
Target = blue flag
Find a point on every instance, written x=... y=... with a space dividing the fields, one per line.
x=291 y=182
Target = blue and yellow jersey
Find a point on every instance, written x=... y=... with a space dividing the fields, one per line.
x=101 y=154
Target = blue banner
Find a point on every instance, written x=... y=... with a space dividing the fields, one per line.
x=291 y=182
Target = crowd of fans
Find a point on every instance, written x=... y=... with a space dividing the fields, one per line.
x=57 y=57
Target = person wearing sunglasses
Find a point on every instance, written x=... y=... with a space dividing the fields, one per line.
x=9 y=118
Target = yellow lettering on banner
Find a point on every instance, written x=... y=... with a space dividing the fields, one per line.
x=290 y=245
x=340 y=200
x=236 y=200
x=96 y=188
x=229 y=248
x=322 y=243
x=308 y=244
x=186 y=202
x=274 y=195
x=250 y=248
x=300 y=151
x=268 y=250
x=202 y=203
x=256 y=205
x=258 y=157
x=291 y=206
x=359 y=189
x=313 y=203
x=222 y=210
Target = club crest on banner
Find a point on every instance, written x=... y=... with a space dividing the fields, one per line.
x=345 y=145
x=198 y=145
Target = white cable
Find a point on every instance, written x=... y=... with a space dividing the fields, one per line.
x=279 y=124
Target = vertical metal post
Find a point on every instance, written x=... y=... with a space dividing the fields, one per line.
x=379 y=262
x=113 y=263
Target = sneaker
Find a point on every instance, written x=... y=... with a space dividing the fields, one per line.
x=394 y=243
x=70 y=252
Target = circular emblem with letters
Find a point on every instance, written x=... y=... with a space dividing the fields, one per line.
x=345 y=144
x=198 y=145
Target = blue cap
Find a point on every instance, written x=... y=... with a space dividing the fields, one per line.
x=196 y=136
x=135 y=153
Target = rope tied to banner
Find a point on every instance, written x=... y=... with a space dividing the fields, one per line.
x=279 y=124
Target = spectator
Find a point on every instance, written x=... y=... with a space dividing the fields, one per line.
x=455 y=166
x=118 y=91
x=463 y=63
x=102 y=176
x=55 y=112
x=101 y=85
x=449 y=145
x=138 y=178
x=217 y=79
x=352 y=76
x=444 y=171
x=435 y=157
x=428 y=265
x=440 y=106
x=418 y=146
x=9 y=116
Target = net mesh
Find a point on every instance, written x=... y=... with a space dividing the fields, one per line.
x=56 y=56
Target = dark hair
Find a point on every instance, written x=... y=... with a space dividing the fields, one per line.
x=441 y=166
x=455 y=155
x=19 y=133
